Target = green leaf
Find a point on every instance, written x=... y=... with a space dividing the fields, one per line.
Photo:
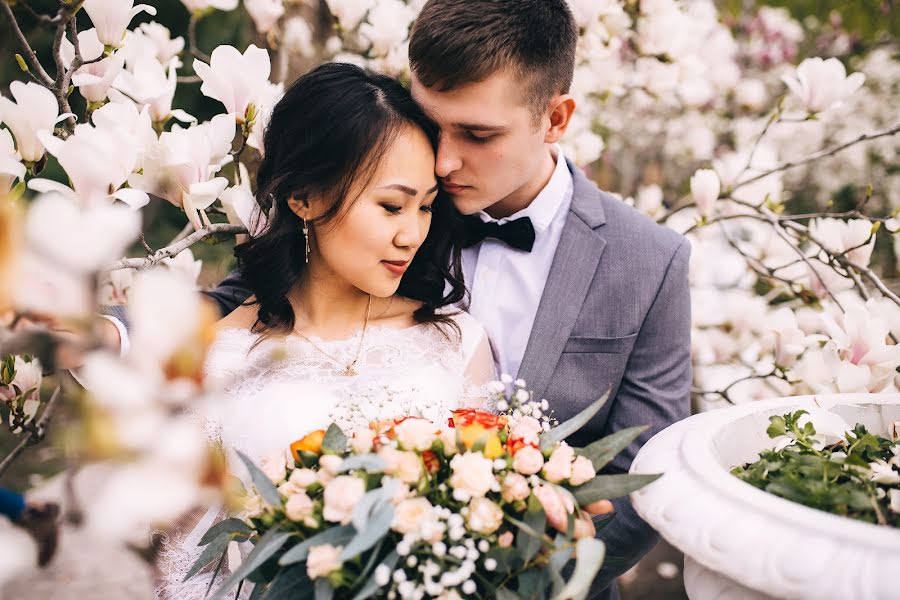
x=605 y=449
x=21 y=62
x=368 y=505
x=210 y=553
x=530 y=538
x=564 y=430
x=776 y=427
x=371 y=463
x=610 y=486
x=371 y=588
x=261 y=481
x=376 y=529
x=336 y=536
x=267 y=546
x=589 y=554
x=324 y=591
x=532 y=584
x=231 y=527
x=335 y=441
x=505 y=594
x=291 y=583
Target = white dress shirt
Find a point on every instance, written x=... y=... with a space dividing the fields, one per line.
x=506 y=284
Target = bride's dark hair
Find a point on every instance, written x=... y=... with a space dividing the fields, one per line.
x=325 y=138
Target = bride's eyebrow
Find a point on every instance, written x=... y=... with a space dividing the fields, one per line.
x=407 y=190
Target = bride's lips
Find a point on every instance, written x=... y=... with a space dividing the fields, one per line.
x=397 y=267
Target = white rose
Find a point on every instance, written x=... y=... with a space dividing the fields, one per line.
x=323 y=560
x=528 y=460
x=405 y=466
x=559 y=467
x=515 y=487
x=302 y=478
x=362 y=441
x=473 y=474
x=582 y=471
x=274 y=466
x=341 y=496
x=448 y=439
x=410 y=513
x=484 y=516
x=330 y=463
x=528 y=429
x=299 y=507
x=415 y=434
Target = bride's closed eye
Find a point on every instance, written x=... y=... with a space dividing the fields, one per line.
x=395 y=209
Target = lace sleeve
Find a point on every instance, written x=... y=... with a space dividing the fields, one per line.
x=479 y=364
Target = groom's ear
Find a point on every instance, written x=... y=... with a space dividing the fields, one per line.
x=561 y=109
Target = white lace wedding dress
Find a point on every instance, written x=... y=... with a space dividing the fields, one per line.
x=285 y=388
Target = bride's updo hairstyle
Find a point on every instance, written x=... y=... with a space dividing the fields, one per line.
x=325 y=138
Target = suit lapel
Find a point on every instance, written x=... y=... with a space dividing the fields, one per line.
x=571 y=274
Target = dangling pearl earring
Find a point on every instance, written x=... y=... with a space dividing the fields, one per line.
x=306 y=240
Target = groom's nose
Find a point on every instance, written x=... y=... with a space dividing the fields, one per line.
x=448 y=159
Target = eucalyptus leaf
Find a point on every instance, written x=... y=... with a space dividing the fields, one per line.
x=505 y=594
x=371 y=463
x=335 y=441
x=324 y=591
x=291 y=583
x=261 y=481
x=367 y=506
x=371 y=587
x=230 y=527
x=610 y=486
x=336 y=536
x=601 y=452
x=373 y=533
x=589 y=554
x=264 y=549
x=549 y=438
x=212 y=551
x=530 y=538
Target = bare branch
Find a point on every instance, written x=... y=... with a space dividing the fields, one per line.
x=192 y=40
x=818 y=155
x=175 y=249
x=42 y=75
x=35 y=433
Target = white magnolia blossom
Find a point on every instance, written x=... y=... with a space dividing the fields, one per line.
x=97 y=164
x=386 y=26
x=94 y=79
x=265 y=13
x=11 y=167
x=297 y=37
x=705 y=187
x=184 y=265
x=182 y=165
x=111 y=18
x=130 y=126
x=34 y=110
x=201 y=5
x=820 y=84
x=166 y=46
x=838 y=236
x=240 y=205
x=150 y=84
x=350 y=13
x=235 y=79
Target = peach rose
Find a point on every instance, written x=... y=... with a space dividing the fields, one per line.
x=323 y=560
x=299 y=507
x=274 y=466
x=505 y=539
x=528 y=460
x=484 y=516
x=473 y=474
x=582 y=471
x=515 y=487
x=405 y=466
x=410 y=513
x=415 y=434
x=559 y=467
x=556 y=506
x=362 y=441
x=330 y=463
x=341 y=496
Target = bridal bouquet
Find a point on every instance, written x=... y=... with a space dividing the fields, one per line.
x=484 y=506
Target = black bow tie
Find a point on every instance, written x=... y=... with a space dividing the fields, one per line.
x=518 y=234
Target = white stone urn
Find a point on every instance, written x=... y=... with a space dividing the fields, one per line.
x=742 y=543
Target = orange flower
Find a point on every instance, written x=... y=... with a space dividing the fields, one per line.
x=471 y=434
x=467 y=416
x=311 y=442
x=432 y=464
x=514 y=444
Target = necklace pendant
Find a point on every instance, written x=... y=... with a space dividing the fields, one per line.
x=349 y=371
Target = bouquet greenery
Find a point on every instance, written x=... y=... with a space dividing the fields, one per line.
x=857 y=476
x=485 y=506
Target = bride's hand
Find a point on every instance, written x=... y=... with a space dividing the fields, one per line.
x=600 y=507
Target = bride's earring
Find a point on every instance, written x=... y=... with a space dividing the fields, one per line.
x=306 y=240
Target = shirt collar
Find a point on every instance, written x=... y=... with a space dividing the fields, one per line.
x=547 y=203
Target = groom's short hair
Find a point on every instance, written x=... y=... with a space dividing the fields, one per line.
x=456 y=42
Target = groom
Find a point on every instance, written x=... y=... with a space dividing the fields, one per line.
x=578 y=292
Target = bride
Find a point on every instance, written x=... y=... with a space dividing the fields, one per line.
x=353 y=277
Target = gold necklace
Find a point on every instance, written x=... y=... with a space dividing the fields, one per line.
x=348 y=371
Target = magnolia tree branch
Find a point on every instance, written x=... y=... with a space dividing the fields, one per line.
x=178 y=247
x=42 y=77
x=817 y=156
x=35 y=432
x=193 y=48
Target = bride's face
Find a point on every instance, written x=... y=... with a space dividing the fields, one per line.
x=372 y=241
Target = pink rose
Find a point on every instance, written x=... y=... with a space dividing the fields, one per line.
x=274 y=466
x=505 y=539
x=323 y=560
x=484 y=516
x=528 y=429
x=584 y=527
x=515 y=487
x=299 y=507
x=556 y=506
x=341 y=496
x=528 y=461
x=330 y=463
x=405 y=466
x=362 y=441
x=582 y=471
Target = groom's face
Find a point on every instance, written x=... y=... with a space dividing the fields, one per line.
x=491 y=151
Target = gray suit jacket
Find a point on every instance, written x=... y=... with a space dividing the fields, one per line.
x=615 y=313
